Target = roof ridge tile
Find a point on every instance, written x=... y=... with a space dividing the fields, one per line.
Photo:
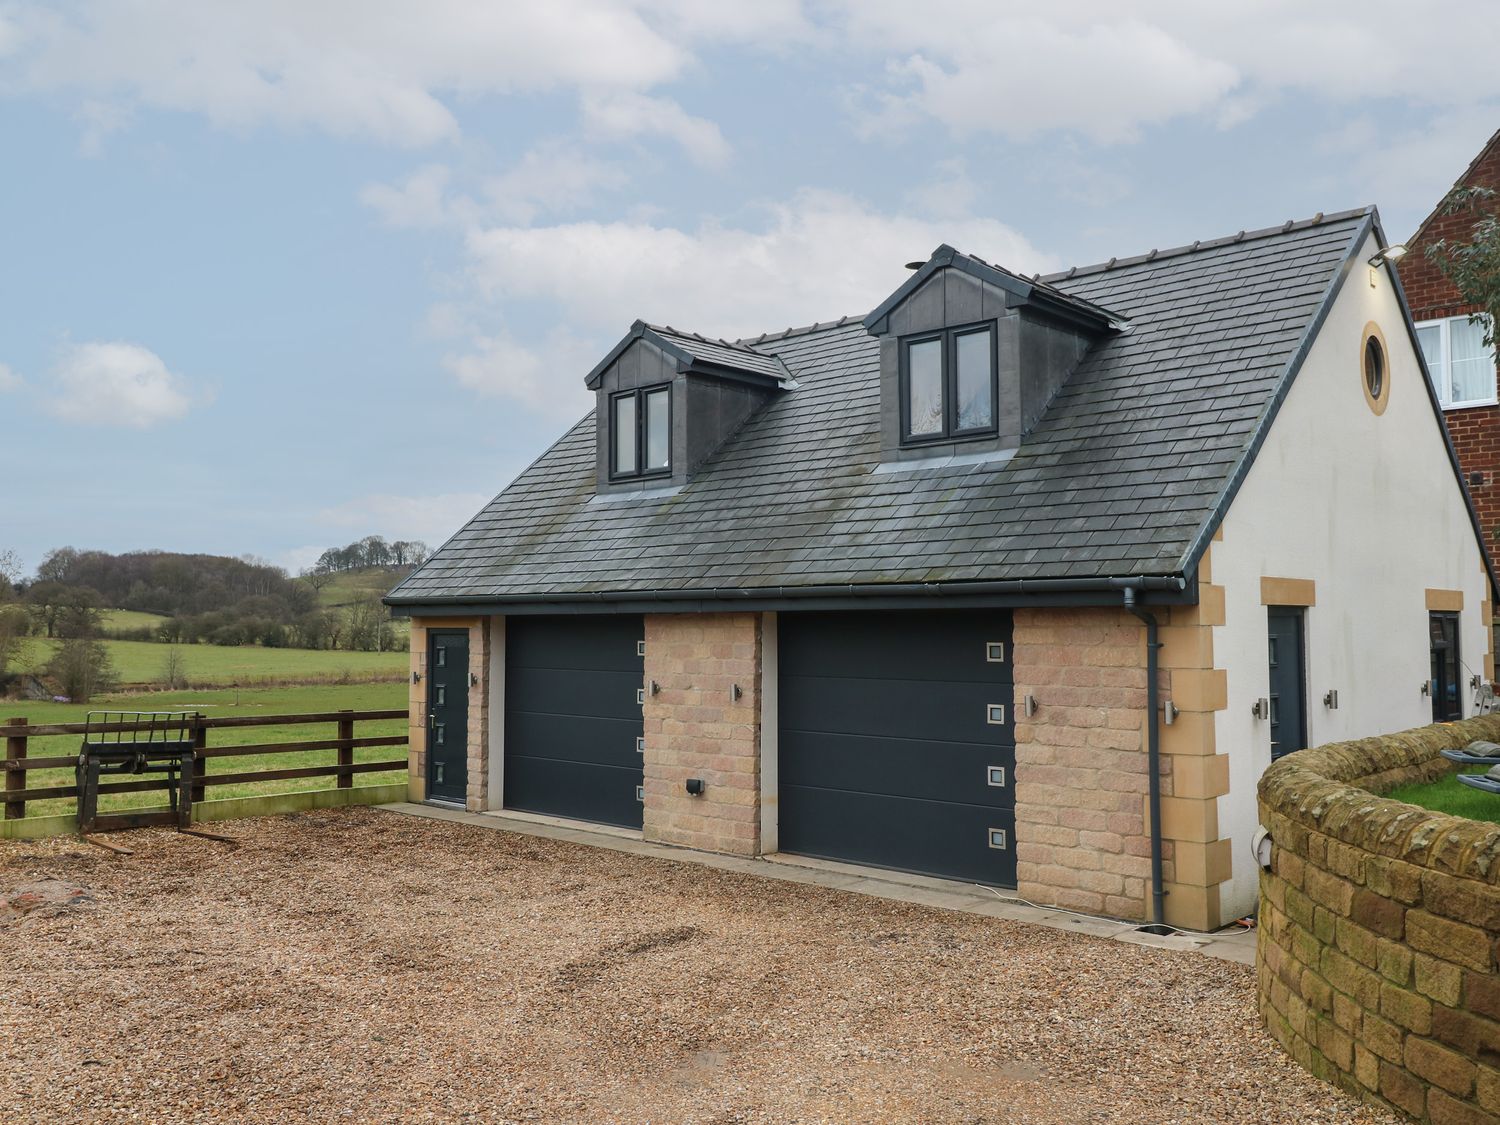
x=1207 y=244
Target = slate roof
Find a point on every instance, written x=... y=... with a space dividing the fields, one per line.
x=1121 y=476
x=725 y=353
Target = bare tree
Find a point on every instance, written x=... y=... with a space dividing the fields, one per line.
x=174 y=670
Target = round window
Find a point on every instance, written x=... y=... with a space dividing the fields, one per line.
x=1374 y=368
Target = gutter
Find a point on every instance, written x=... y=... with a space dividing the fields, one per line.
x=1153 y=762
x=1020 y=587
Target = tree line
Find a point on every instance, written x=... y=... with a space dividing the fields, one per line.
x=372 y=550
x=201 y=599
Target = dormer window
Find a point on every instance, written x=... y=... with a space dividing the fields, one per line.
x=948 y=384
x=640 y=432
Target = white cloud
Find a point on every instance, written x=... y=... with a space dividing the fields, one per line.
x=1107 y=71
x=372 y=68
x=1412 y=168
x=387 y=70
x=431 y=519
x=9 y=380
x=421 y=200
x=547 y=378
x=117 y=384
x=618 y=115
x=555 y=177
x=818 y=255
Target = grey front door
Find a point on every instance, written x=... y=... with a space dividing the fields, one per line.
x=1284 y=645
x=448 y=714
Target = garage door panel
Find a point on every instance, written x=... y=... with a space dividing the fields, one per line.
x=887 y=740
x=603 y=643
x=920 y=709
x=899 y=832
x=936 y=771
x=945 y=647
x=573 y=715
x=554 y=691
x=578 y=738
x=577 y=790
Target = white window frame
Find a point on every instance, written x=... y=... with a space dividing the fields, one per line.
x=1442 y=379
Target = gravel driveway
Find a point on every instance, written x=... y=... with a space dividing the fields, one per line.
x=366 y=966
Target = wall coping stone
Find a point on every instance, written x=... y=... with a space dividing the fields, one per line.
x=1324 y=789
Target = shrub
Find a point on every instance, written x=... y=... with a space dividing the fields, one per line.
x=82 y=669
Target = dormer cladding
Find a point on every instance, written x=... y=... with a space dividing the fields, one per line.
x=1039 y=334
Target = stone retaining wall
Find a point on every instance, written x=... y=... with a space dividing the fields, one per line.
x=1380 y=928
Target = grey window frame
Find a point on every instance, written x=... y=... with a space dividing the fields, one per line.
x=949 y=338
x=639 y=394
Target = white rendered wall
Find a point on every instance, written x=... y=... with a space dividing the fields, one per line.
x=1368 y=507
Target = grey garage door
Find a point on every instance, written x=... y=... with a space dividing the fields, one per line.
x=896 y=741
x=573 y=717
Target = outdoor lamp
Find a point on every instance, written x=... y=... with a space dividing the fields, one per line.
x=1393 y=253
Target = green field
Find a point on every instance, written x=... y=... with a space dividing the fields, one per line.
x=119 y=620
x=142 y=662
x=262 y=701
x=1447 y=795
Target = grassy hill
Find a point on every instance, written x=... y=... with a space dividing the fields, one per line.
x=350 y=585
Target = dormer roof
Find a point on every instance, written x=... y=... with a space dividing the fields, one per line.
x=1021 y=290
x=700 y=355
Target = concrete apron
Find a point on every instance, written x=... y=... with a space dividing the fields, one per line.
x=947 y=894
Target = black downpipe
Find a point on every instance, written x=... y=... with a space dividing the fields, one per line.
x=1153 y=760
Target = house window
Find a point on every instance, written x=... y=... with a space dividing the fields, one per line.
x=640 y=433
x=1462 y=368
x=948 y=384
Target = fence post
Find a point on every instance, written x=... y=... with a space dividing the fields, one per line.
x=15 y=777
x=200 y=761
x=346 y=750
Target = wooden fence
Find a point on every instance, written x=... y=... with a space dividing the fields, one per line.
x=17 y=734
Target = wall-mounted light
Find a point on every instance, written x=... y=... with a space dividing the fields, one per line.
x=1028 y=705
x=1261 y=709
x=1260 y=846
x=1331 y=699
x=473 y=679
x=1169 y=712
x=695 y=786
x=416 y=677
x=1392 y=253
x=735 y=693
x=1426 y=687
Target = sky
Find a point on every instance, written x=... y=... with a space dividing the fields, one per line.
x=278 y=275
